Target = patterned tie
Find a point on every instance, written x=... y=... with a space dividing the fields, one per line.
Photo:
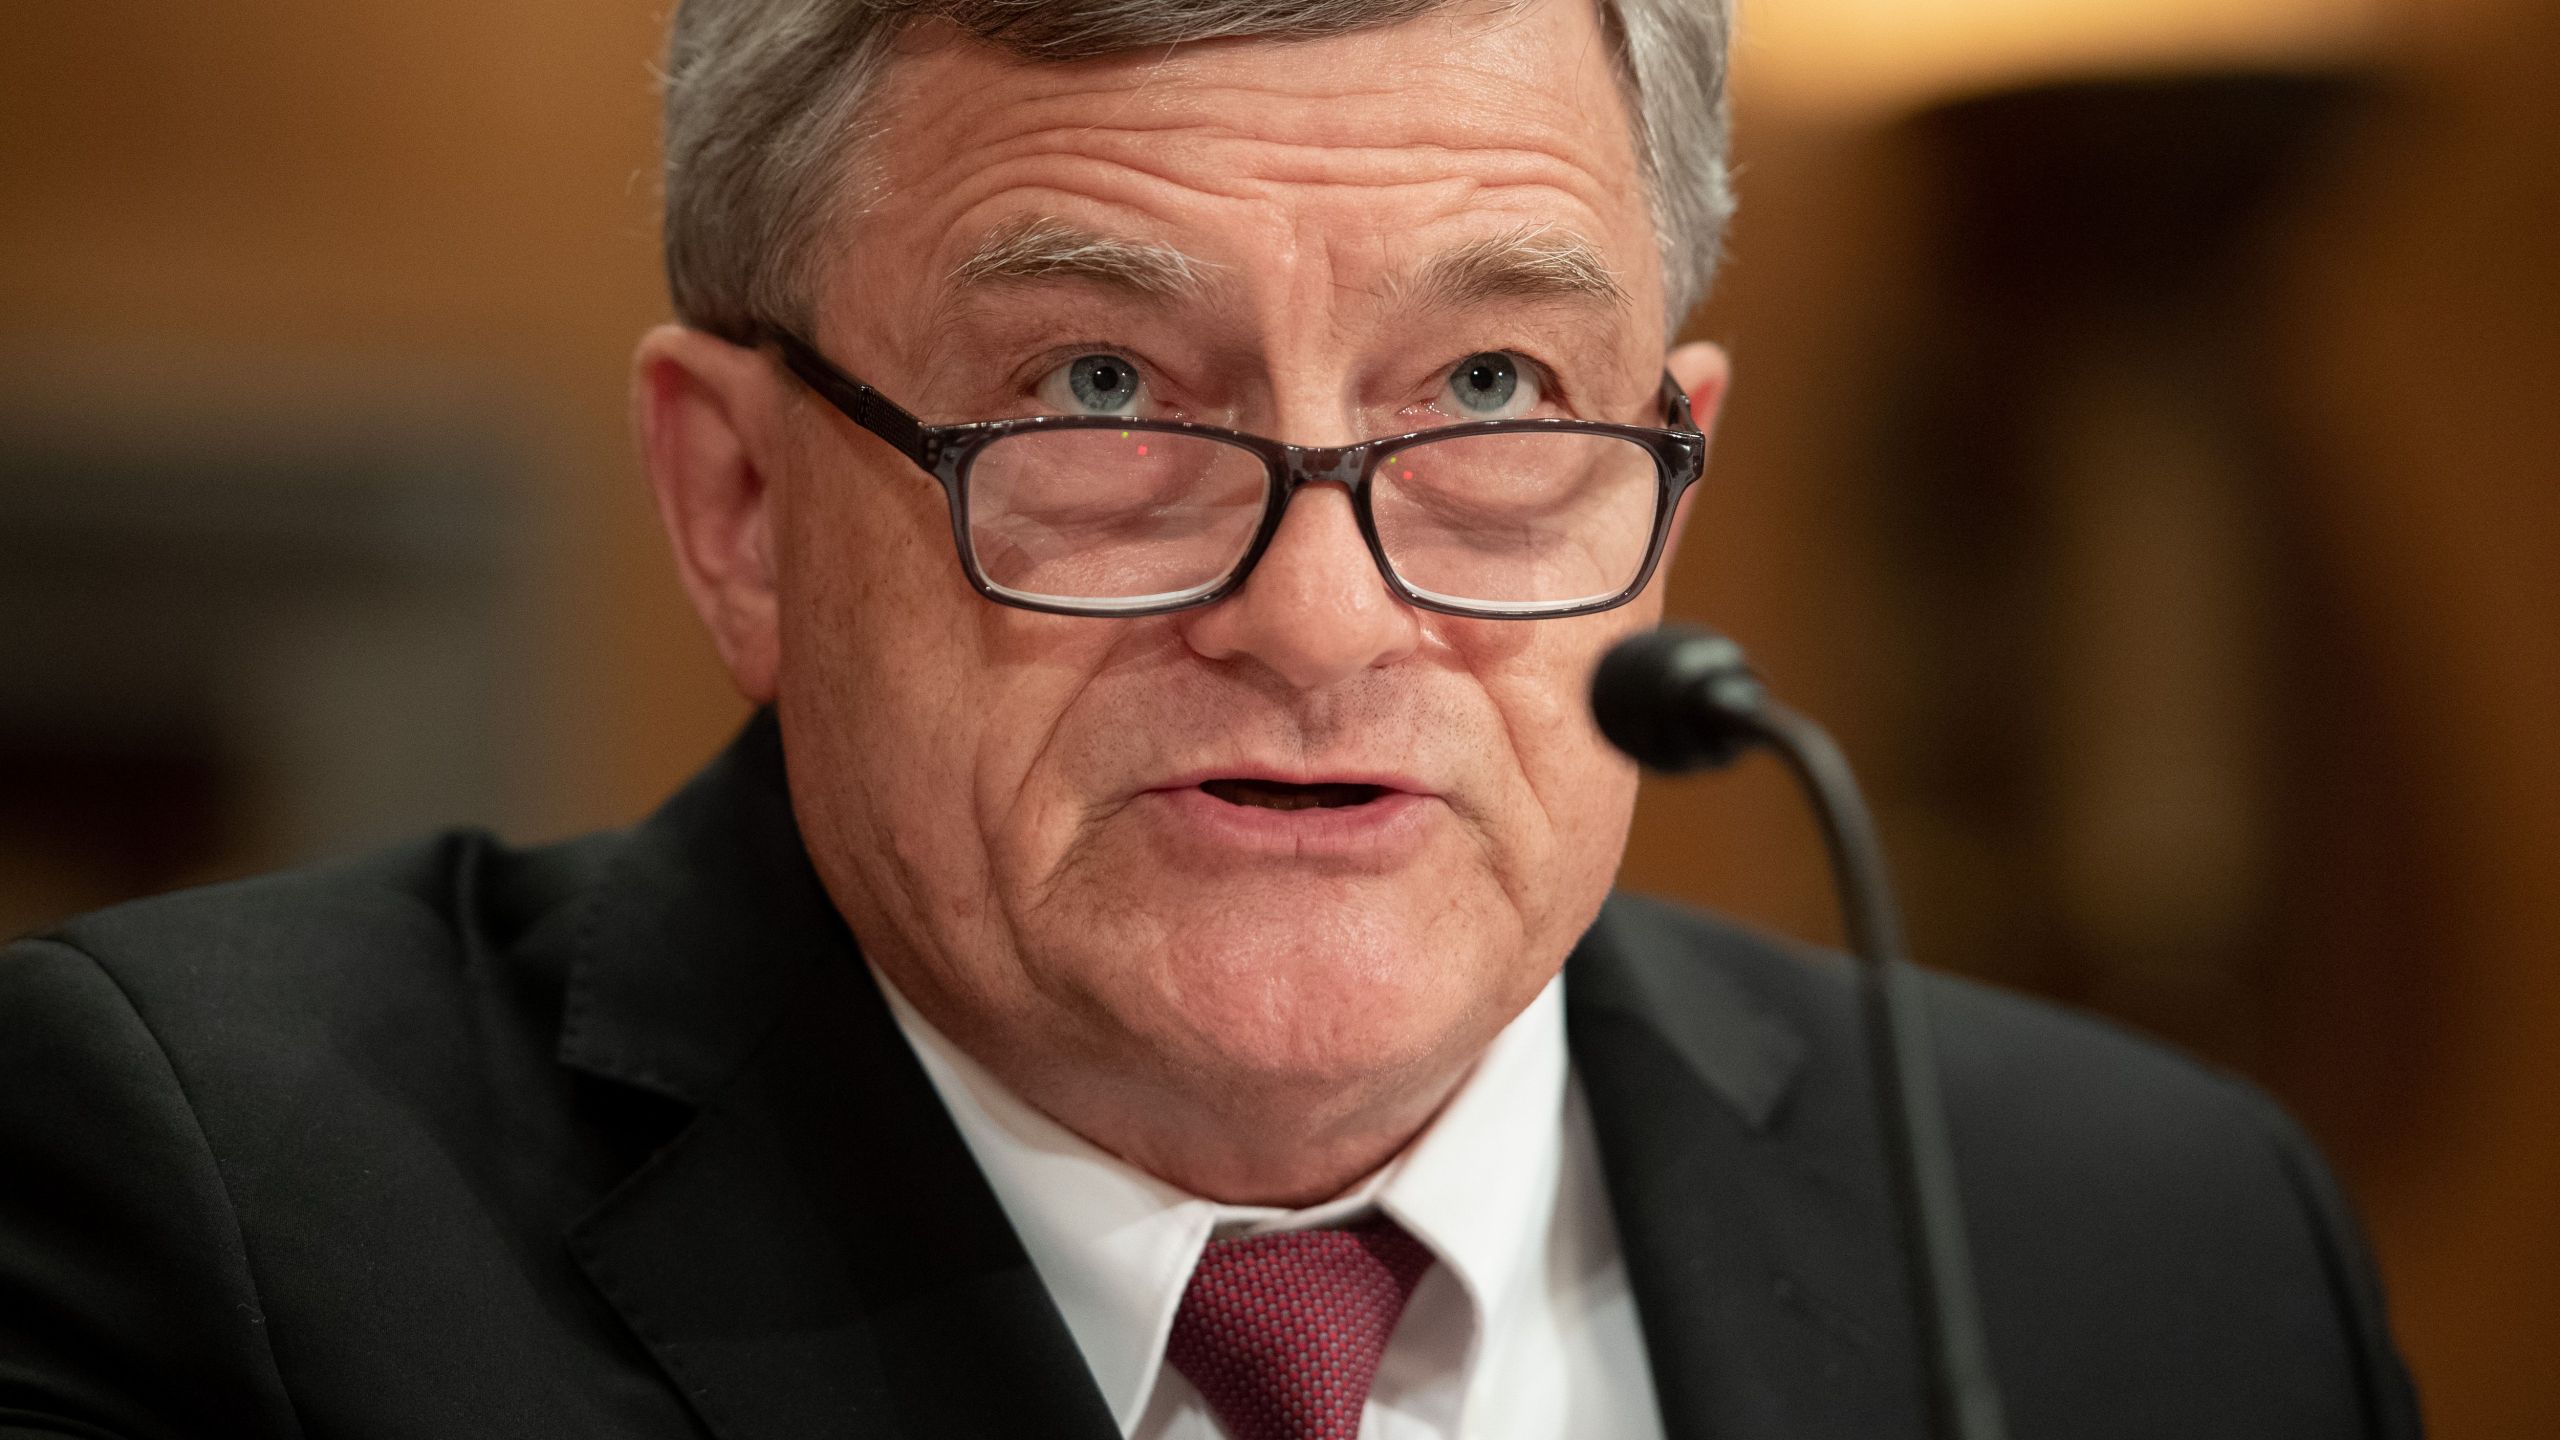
x=1282 y=1334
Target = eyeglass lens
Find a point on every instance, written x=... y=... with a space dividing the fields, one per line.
x=1126 y=519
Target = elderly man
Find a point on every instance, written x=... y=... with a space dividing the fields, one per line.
x=1166 y=469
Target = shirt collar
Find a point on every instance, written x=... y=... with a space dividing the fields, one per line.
x=1116 y=1246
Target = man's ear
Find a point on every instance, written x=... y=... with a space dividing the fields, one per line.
x=708 y=416
x=1704 y=373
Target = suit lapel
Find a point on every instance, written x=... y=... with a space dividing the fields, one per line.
x=815 y=1253
x=1758 y=1234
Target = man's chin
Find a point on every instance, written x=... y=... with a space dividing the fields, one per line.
x=1318 y=983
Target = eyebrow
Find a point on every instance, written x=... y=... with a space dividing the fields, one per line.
x=1038 y=249
x=1526 y=263
x=1532 y=262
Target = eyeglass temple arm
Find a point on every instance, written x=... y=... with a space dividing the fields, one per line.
x=860 y=403
x=1675 y=405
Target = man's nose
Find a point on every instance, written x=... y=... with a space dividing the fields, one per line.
x=1315 y=610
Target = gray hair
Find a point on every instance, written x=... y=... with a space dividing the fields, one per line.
x=765 y=97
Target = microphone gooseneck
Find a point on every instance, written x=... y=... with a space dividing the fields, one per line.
x=1677 y=700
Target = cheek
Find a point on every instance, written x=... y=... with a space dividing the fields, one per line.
x=870 y=631
x=877 y=688
x=1586 y=788
x=937 y=706
x=1579 y=792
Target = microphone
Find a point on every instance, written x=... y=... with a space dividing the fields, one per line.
x=1677 y=700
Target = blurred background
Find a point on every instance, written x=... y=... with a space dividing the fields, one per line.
x=2143 y=455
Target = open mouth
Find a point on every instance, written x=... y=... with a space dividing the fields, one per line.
x=1279 y=795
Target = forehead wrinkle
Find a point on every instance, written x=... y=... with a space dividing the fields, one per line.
x=1124 y=167
x=1349 y=135
x=1374 y=159
x=1187 y=138
x=1547 y=207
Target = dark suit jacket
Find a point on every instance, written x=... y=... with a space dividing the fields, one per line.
x=616 y=1138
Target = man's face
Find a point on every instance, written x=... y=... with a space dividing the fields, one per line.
x=1029 y=818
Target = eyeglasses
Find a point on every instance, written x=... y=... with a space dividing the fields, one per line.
x=1096 y=515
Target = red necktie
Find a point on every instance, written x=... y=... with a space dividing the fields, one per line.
x=1282 y=1334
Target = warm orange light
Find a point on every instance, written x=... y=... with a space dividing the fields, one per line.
x=1865 y=56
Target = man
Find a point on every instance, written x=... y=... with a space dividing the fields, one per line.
x=1113 y=987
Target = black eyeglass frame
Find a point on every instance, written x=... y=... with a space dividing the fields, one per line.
x=946 y=452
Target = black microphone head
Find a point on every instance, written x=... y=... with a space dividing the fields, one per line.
x=1678 y=699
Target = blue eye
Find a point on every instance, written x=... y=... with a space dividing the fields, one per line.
x=1491 y=386
x=1100 y=385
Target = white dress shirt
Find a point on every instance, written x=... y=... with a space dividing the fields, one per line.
x=1524 y=1330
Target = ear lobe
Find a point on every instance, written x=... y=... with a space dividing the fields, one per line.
x=706 y=416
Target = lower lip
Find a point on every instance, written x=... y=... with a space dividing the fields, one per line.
x=1384 y=831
